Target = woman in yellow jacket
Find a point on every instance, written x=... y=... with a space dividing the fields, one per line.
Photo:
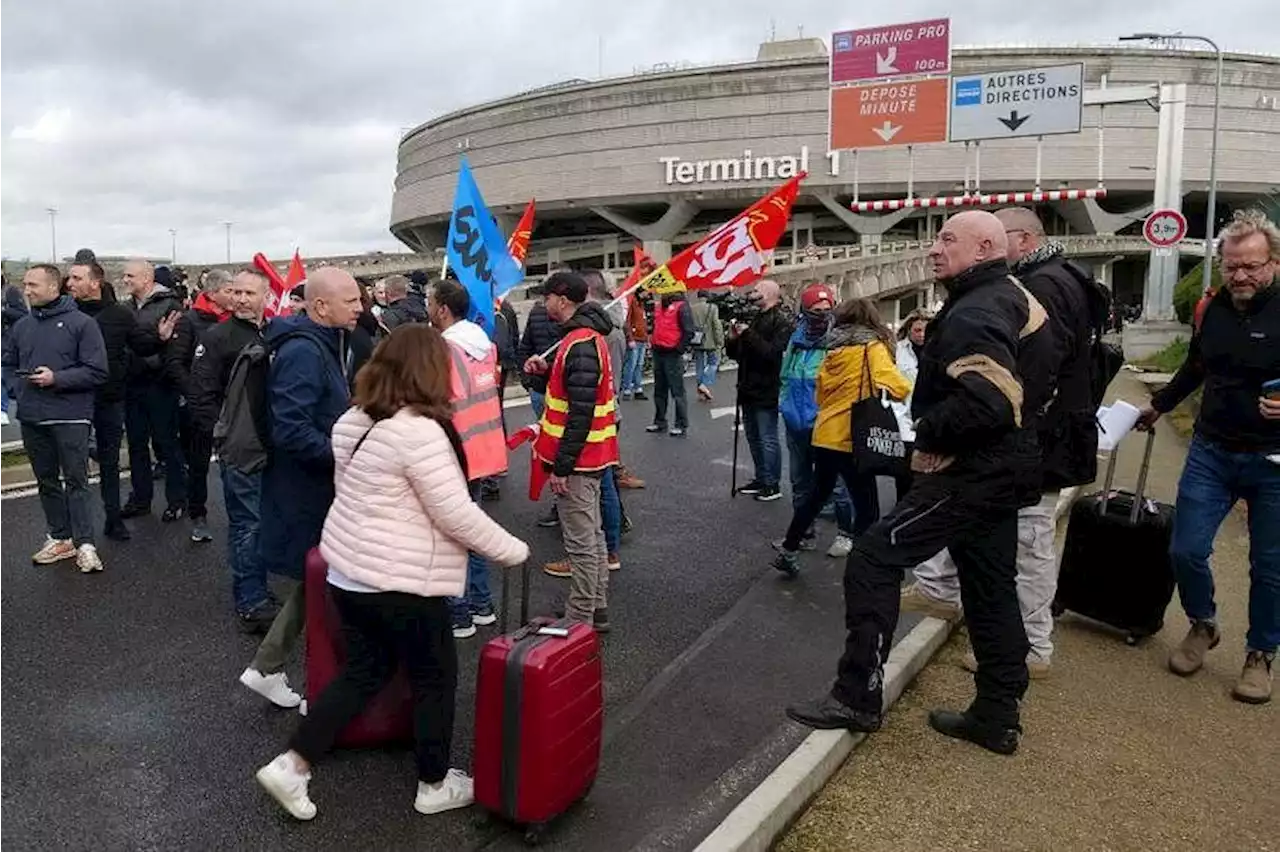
x=859 y=344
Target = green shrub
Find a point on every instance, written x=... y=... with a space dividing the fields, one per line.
x=1189 y=289
x=1170 y=358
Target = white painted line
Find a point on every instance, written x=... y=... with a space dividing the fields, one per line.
x=761 y=818
x=725 y=411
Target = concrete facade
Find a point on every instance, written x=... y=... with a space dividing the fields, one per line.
x=622 y=157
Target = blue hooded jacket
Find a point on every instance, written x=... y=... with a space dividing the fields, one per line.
x=70 y=344
x=307 y=391
x=798 y=399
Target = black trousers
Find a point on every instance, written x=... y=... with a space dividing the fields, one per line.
x=828 y=465
x=108 y=430
x=197 y=449
x=151 y=417
x=668 y=378
x=380 y=630
x=977 y=518
x=59 y=454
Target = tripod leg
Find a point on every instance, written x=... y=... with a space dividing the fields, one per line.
x=737 y=424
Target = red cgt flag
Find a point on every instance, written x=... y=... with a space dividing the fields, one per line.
x=732 y=255
x=537 y=470
x=518 y=243
x=297 y=272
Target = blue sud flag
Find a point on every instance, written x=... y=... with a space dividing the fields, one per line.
x=477 y=251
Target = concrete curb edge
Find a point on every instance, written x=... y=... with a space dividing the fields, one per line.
x=759 y=819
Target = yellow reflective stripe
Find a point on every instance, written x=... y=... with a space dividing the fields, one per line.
x=595 y=436
x=562 y=406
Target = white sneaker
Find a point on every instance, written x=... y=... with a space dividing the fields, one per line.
x=302 y=707
x=273 y=687
x=841 y=547
x=287 y=786
x=464 y=631
x=4 y=417
x=88 y=560
x=54 y=550
x=457 y=790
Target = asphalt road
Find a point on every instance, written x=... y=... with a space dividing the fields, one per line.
x=126 y=727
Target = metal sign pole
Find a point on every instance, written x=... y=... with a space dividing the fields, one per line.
x=1039 y=156
x=977 y=166
x=1102 y=124
x=911 y=171
x=966 y=168
x=855 y=174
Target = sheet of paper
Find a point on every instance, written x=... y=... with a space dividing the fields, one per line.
x=1114 y=422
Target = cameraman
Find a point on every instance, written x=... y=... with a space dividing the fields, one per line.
x=758 y=349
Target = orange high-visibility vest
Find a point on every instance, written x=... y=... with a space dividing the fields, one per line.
x=601 y=448
x=477 y=412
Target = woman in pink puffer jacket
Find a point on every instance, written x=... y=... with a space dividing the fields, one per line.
x=396 y=541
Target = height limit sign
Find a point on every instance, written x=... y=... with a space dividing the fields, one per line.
x=1165 y=228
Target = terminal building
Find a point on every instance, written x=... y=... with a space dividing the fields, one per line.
x=660 y=158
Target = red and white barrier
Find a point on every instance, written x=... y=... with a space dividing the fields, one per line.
x=976 y=200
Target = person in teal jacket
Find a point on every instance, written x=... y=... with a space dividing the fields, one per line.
x=798 y=402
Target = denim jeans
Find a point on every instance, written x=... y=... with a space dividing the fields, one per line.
x=633 y=368
x=108 y=429
x=59 y=454
x=1212 y=481
x=801 y=456
x=706 y=363
x=537 y=401
x=151 y=418
x=478 y=595
x=761 y=427
x=5 y=380
x=611 y=510
x=241 y=493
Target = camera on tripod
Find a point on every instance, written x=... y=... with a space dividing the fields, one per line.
x=735 y=306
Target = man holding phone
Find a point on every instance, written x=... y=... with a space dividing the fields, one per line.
x=1235 y=454
x=60 y=360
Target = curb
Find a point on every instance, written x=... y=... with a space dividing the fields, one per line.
x=768 y=810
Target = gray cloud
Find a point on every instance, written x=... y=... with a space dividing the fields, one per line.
x=144 y=115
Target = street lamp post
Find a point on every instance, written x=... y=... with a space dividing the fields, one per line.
x=53 y=232
x=228 y=227
x=173 y=245
x=1213 y=145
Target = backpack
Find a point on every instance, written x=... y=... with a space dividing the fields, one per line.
x=1105 y=359
x=241 y=436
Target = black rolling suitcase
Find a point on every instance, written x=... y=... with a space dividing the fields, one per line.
x=1115 y=563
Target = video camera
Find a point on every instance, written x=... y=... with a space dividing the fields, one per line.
x=735 y=306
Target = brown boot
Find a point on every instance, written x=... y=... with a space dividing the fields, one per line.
x=1188 y=657
x=1254 y=685
x=914 y=600
x=627 y=479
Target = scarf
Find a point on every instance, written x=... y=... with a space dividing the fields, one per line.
x=814 y=325
x=849 y=335
x=1043 y=254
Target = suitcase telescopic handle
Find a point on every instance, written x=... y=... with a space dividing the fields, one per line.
x=1141 y=488
x=525 y=571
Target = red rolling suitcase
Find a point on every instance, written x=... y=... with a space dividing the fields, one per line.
x=539 y=718
x=388 y=718
x=1116 y=567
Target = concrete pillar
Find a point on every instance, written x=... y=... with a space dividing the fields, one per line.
x=553 y=256
x=1103 y=272
x=659 y=250
x=1162 y=270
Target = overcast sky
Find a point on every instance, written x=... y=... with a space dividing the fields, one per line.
x=134 y=117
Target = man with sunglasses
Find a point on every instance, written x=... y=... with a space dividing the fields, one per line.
x=1235 y=454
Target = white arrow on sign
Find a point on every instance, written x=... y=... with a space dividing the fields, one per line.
x=725 y=411
x=887 y=131
x=884 y=64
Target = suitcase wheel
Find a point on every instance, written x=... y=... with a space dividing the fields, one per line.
x=1057 y=609
x=534 y=833
x=1132 y=639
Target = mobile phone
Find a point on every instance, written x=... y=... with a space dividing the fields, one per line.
x=560 y=632
x=22 y=374
x=1271 y=389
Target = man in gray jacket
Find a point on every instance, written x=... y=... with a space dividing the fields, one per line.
x=59 y=359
